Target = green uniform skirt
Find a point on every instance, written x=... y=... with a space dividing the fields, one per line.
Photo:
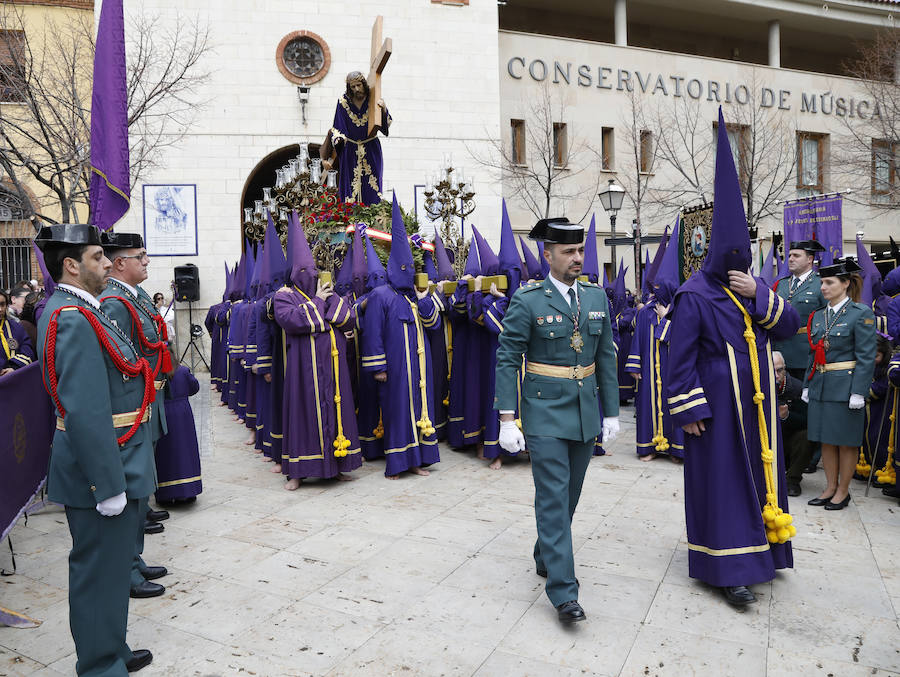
x=835 y=423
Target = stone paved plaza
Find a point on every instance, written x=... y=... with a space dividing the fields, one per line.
x=433 y=576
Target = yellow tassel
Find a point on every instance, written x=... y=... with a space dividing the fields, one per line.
x=662 y=444
x=888 y=474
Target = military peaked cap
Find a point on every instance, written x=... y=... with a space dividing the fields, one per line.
x=113 y=241
x=63 y=234
x=840 y=268
x=557 y=231
x=809 y=246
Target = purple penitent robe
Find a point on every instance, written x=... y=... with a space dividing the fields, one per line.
x=394 y=341
x=313 y=414
x=710 y=380
x=650 y=398
x=177 y=452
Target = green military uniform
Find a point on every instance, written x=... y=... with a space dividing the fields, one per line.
x=87 y=466
x=560 y=416
x=850 y=364
x=121 y=316
x=806 y=298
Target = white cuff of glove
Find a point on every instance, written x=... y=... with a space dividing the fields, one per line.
x=610 y=428
x=511 y=439
x=857 y=401
x=112 y=506
x=805 y=395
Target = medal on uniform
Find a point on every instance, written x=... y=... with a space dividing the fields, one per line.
x=13 y=344
x=576 y=342
x=827 y=344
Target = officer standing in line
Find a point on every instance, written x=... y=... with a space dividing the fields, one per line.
x=122 y=301
x=562 y=327
x=101 y=463
x=803 y=290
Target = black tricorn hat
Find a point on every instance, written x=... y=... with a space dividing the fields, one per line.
x=840 y=268
x=113 y=241
x=809 y=246
x=63 y=234
x=558 y=230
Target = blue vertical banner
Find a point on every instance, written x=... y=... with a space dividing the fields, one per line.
x=819 y=219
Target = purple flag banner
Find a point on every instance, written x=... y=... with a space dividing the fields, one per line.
x=817 y=219
x=110 y=189
x=26 y=433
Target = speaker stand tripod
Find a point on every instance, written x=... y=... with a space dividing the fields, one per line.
x=192 y=343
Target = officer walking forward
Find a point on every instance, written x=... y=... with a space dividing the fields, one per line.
x=562 y=328
x=101 y=463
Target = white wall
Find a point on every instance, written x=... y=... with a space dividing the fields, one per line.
x=440 y=86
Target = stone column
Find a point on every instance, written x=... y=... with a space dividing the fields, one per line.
x=775 y=44
x=621 y=22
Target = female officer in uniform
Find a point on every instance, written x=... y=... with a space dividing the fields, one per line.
x=842 y=338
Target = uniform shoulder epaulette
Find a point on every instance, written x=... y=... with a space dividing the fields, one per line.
x=531 y=286
x=590 y=284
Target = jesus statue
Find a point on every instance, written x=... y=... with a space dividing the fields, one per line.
x=349 y=145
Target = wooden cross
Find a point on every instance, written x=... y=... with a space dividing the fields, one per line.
x=381 y=52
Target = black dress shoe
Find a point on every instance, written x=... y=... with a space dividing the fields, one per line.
x=157 y=515
x=570 y=612
x=892 y=491
x=838 y=506
x=819 y=501
x=810 y=469
x=147 y=589
x=152 y=573
x=739 y=595
x=793 y=489
x=139 y=659
x=153 y=528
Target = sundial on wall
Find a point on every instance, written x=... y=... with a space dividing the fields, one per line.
x=303 y=57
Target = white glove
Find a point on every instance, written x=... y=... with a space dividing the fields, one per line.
x=511 y=438
x=112 y=506
x=857 y=401
x=610 y=428
x=805 y=395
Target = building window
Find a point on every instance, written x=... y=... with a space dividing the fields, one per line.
x=12 y=66
x=810 y=164
x=517 y=128
x=884 y=170
x=560 y=145
x=646 y=151
x=607 y=149
x=738 y=136
x=15 y=260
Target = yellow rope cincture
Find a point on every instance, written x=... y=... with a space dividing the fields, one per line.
x=379 y=429
x=6 y=349
x=862 y=464
x=424 y=423
x=448 y=342
x=779 y=527
x=888 y=475
x=662 y=444
x=341 y=444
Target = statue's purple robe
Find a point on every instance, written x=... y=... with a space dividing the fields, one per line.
x=625 y=325
x=309 y=408
x=177 y=452
x=650 y=398
x=709 y=380
x=394 y=328
x=348 y=133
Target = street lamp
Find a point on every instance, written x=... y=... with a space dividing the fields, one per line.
x=611 y=199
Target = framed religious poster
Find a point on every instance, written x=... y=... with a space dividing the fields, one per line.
x=696 y=224
x=170 y=219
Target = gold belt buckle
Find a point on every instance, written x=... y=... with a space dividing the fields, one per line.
x=577 y=372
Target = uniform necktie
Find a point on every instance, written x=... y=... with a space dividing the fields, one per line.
x=572 y=301
x=794 y=284
x=829 y=314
